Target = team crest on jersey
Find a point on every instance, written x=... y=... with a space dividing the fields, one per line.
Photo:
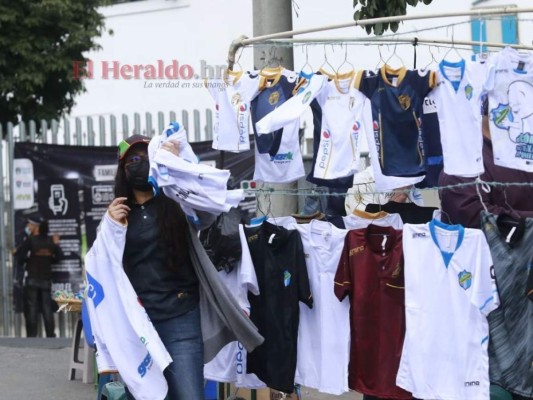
x=306 y=98
x=356 y=126
x=405 y=101
x=243 y=107
x=286 y=278
x=235 y=99
x=469 y=91
x=273 y=98
x=326 y=135
x=465 y=279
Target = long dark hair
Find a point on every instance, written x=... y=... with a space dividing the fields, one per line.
x=172 y=223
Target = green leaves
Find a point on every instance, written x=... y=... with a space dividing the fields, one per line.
x=39 y=40
x=383 y=8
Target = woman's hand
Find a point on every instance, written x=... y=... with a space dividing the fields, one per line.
x=118 y=210
x=172 y=145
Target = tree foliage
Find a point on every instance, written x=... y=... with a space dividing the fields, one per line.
x=39 y=41
x=383 y=8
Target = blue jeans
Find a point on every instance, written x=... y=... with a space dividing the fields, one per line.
x=182 y=337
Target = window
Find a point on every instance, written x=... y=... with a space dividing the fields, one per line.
x=499 y=29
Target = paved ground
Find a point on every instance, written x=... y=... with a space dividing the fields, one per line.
x=37 y=369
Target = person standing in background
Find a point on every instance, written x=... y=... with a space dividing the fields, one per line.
x=38 y=252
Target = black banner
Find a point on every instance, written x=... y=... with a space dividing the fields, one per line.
x=72 y=187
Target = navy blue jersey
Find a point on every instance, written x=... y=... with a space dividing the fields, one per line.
x=276 y=85
x=278 y=258
x=397 y=98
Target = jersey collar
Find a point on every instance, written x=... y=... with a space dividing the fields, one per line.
x=400 y=73
x=433 y=224
x=448 y=64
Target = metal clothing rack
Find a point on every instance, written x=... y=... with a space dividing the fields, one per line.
x=243 y=41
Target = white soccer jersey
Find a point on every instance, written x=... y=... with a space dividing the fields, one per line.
x=342 y=108
x=361 y=219
x=287 y=164
x=232 y=97
x=124 y=335
x=383 y=183
x=449 y=291
x=510 y=89
x=229 y=365
x=457 y=96
x=324 y=331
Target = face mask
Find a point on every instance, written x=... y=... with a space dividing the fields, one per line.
x=27 y=231
x=137 y=175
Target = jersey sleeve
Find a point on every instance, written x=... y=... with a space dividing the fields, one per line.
x=343 y=276
x=248 y=278
x=484 y=293
x=212 y=86
x=292 y=108
x=427 y=82
x=304 y=289
x=366 y=83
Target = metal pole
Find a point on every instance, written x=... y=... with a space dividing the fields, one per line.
x=270 y=17
x=4 y=249
x=409 y=40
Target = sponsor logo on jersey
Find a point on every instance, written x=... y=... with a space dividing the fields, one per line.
x=419 y=235
x=356 y=250
x=235 y=99
x=243 y=107
x=471 y=383
x=465 y=279
x=469 y=91
x=405 y=101
x=286 y=278
x=95 y=290
x=253 y=238
x=145 y=365
x=325 y=145
x=356 y=126
x=306 y=98
x=376 y=126
x=273 y=98
x=282 y=157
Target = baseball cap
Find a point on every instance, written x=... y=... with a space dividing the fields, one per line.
x=126 y=144
x=35 y=219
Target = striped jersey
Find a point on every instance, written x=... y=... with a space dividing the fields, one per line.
x=511 y=325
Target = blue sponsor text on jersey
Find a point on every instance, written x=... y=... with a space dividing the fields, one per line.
x=145 y=365
x=95 y=290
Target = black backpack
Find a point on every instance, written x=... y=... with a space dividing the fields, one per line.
x=222 y=242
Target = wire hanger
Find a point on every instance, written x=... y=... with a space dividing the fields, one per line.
x=395 y=54
x=380 y=61
x=433 y=60
x=453 y=48
x=326 y=62
x=302 y=70
x=345 y=61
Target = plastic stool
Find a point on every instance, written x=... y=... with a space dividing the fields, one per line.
x=87 y=365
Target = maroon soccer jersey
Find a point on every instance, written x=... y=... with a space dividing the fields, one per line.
x=370 y=271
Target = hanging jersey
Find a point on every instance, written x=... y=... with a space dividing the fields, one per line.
x=510 y=90
x=361 y=219
x=383 y=183
x=279 y=262
x=309 y=87
x=276 y=86
x=229 y=365
x=511 y=330
x=324 y=331
x=370 y=273
x=431 y=143
x=397 y=97
x=232 y=97
x=449 y=291
x=457 y=96
x=287 y=164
